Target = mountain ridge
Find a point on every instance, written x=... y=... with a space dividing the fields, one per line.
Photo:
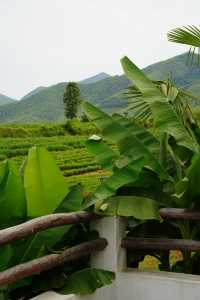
x=95 y=78
x=6 y=100
x=33 y=92
x=47 y=105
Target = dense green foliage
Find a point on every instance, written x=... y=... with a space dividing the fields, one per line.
x=46 y=130
x=71 y=99
x=151 y=169
x=40 y=189
x=36 y=130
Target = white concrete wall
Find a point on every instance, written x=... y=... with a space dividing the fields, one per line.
x=157 y=286
x=54 y=296
x=130 y=284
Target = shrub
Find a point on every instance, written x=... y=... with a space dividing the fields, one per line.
x=74 y=126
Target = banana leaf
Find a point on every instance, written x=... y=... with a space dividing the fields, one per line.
x=44 y=183
x=165 y=117
x=131 y=146
x=87 y=281
x=103 y=153
x=122 y=176
x=12 y=194
x=130 y=206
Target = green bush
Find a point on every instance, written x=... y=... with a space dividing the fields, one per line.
x=75 y=126
x=38 y=130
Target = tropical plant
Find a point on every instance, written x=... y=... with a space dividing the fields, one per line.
x=150 y=168
x=179 y=98
x=188 y=35
x=38 y=190
x=71 y=100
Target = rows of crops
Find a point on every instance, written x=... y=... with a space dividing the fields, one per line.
x=69 y=151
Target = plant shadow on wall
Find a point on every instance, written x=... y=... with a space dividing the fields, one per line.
x=38 y=190
x=152 y=168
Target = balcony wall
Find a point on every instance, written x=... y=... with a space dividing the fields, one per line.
x=131 y=284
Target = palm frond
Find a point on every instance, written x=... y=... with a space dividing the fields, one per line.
x=187 y=35
x=137 y=107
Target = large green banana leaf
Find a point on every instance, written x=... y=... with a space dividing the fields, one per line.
x=122 y=176
x=193 y=175
x=140 y=132
x=187 y=190
x=48 y=238
x=131 y=145
x=130 y=206
x=87 y=281
x=73 y=201
x=103 y=153
x=44 y=184
x=12 y=195
x=165 y=117
x=5 y=256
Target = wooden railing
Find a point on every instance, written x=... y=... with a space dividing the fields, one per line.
x=53 y=260
x=50 y=261
x=164 y=243
x=36 y=225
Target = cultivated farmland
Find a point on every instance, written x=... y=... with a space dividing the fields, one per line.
x=76 y=163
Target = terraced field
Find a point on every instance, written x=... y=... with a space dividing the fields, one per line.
x=77 y=165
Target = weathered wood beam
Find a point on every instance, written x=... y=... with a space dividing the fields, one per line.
x=160 y=244
x=180 y=213
x=50 y=261
x=33 y=226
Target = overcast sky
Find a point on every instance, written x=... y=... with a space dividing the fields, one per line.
x=44 y=42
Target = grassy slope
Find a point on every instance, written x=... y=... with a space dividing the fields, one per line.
x=47 y=105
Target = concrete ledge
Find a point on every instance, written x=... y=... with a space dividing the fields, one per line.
x=136 y=285
x=54 y=296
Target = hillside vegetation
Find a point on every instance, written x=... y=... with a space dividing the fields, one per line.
x=46 y=104
x=5 y=100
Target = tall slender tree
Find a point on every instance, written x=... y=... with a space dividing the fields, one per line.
x=71 y=100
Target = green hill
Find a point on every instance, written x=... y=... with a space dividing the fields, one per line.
x=5 y=100
x=46 y=105
x=95 y=78
x=34 y=92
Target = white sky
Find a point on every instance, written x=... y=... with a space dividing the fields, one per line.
x=43 y=42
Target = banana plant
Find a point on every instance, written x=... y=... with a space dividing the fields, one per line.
x=150 y=168
x=41 y=189
x=179 y=98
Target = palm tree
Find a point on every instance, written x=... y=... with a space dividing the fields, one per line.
x=177 y=97
x=187 y=35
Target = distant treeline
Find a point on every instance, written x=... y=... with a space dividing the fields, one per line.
x=47 y=130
